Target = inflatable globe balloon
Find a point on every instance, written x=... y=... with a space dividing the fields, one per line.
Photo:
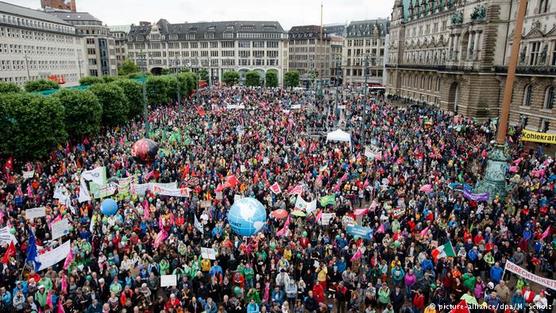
x=109 y=207
x=247 y=216
x=144 y=150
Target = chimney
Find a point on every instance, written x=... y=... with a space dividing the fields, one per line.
x=73 y=7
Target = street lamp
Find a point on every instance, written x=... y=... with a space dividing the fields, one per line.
x=143 y=57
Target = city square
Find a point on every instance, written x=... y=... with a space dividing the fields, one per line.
x=393 y=156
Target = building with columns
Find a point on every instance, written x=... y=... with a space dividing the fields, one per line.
x=364 y=49
x=36 y=45
x=454 y=54
x=215 y=46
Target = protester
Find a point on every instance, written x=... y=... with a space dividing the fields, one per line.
x=408 y=174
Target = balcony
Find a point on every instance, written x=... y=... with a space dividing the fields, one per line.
x=528 y=70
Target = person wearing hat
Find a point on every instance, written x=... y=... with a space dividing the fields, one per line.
x=540 y=303
x=40 y=296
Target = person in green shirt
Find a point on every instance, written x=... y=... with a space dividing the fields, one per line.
x=249 y=274
x=164 y=267
x=469 y=281
x=46 y=282
x=384 y=295
x=253 y=294
x=116 y=286
x=40 y=296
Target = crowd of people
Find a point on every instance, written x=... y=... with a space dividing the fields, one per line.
x=294 y=264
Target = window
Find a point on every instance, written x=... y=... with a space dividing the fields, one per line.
x=527 y=95
x=553 y=63
x=194 y=45
x=214 y=53
x=227 y=44
x=228 y=35
x=545 y=125
x=549 y=98
x=213 y=44
x=244 y=44
x=91 y=51
x=244 y=54
x=258 y=44
x=535 y=51
x=228 y=53
x=272 y=44
x=258 y=54
x=204 y=45
x=204 y=53
x=543 y=6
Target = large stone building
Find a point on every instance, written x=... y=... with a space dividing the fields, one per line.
x=36 y=45
x=120 y=33
x=454 y=54
x=310 y=53
x=215 y=46
x=99 y=44
x=364 y=51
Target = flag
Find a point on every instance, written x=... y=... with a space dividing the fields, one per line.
x=201 y=111
x=380 y=229
x=69 y=260
x=198 y=225
x=297 y=190
x=311 y=206
x=162 y=235
x=284 y=230
x=275 y=188
x=357 y=255
x=318 y=216
x=461 y=307
x=328 y=200
x=231 y=181
x=32 y=253
x=424 y=232
x=96 y=176
x=9 y=165
x=10 y=252
x=547 y=232
x=443 y=251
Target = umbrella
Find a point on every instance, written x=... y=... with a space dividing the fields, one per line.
x=299 y=213
x=279 y=214
x=426 y=188
x=469 y=299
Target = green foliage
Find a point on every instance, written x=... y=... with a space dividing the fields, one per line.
x=252 y=79
x=161 y=89
x=83 y=112
x=271 y=78
x=230 y=77
x=115 y=108
x=31 y=125
x=291 y=79
x=109 y=79
x=91 y=80
x=165 y=71
x=203 y=74
x=134 y=94
x=40 y=85
x=127 y=68
x=187 y=82
x=9 y=87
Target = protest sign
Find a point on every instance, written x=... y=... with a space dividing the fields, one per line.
x=60 y=228
x=168 y=280
x=52 y=257
x=35 y=213
x=208 y=253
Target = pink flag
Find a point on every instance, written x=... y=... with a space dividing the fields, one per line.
x=297 y=190
x=60 y=307
x=546 y=233
x=64 y=284
x=380 y=229
x=424 y=232
x=284 y=230
x=232 y=181
x=162 y=235
x=426 y=188
x=29 y=191
x=513 y=169
x=146 y=210
x=360 y=212
x=275 y=188
x=357 y=255
x=366 y=184
x=318 y=216
x=69 y=260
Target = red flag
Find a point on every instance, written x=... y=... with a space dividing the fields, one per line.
x=547 y=232
x=232 y=181
x=9 y=166
x=201 y=111
x=275 y=188
x=162 y=235
x=357 y=255
x=10 y=252
x=461 y=307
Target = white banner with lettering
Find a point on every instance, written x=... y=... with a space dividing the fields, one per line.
x=35 y=213
x=60 y=228
x=54 y=256
x=514 y=268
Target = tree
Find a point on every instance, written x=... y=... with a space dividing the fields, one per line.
x=31 y=125
x=109 y=79
x=272 y=78
x=230 y=77
x=252 y=78
x=115 y=108
x=9 y=87
x=203 y=74
x=161 y=89
x=187 y=83
x=128 y=67
x=83 y=112
x=91 y=80
x=134 y=94
x=40 y=85
x=291 y=79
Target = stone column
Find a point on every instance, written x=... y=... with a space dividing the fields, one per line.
x=469 y=41
x=450 y=48
x=476 y=46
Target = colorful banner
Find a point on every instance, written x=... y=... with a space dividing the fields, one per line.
x=6 y=236
x=363 y=232
x=141 y=189
x=480 y=197
x=171 y=192
x=52 y=257
x=328 y=200
x=527 y=135
x=514 y=268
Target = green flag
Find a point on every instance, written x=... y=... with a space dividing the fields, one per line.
x=328 y=200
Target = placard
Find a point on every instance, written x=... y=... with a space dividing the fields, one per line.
x=168 y=280
x=326 y=218
x=208 y=253
x=35 y=213
x=60 y=228
x=205 y=204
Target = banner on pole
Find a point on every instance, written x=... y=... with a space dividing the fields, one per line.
x=527 y=135
x=363 y=232
x=514 y=268
x=52 y=257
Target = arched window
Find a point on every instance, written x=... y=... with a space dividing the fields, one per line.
x=549 y=98
x=543 y=6
x=527 y=95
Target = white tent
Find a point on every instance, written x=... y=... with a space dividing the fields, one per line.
x=338 y=135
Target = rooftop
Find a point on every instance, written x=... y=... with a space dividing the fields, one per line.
x=29 y=13
x=74 y=16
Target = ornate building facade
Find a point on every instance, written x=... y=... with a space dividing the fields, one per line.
x=454 y=54
x=215 y=46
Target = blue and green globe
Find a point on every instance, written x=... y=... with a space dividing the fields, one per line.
x=247 y=216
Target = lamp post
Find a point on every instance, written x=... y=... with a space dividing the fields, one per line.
x=145 y=105
x=494 y=181
x=176 y=62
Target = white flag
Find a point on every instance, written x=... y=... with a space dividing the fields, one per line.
x=198 y=225
x=96 y=176
x=311 y=206
x=300 y=203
